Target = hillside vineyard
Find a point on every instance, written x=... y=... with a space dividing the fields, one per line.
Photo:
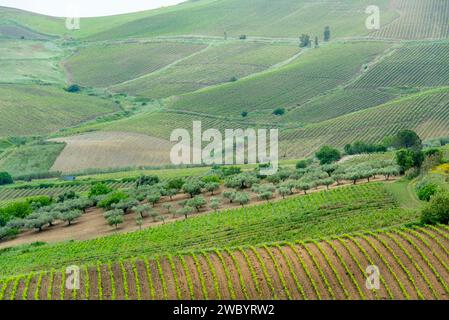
x=226 y=150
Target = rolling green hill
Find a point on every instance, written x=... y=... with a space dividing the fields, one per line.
x=36 y=110
x=400 y=19
x=30 y=159
x=419 y=19
x=220 y=63
x=288 y=18
x=427 y=113
x=30 y=62
x=414 y=65
x=104 y=65
x=177 y=62
x=317 y=71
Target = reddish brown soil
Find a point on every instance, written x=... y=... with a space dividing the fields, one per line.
x=384 y=272
x=143 y=279
x=359 y=275
x=221 y=277
x=300 y=274
x=44 y=286
x=419 y=281
x=208 y=277
x=169 y=277
x=246 y=274
x=322 y=288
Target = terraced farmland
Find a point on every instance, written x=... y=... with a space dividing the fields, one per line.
x=338 y=103
x=103 y=65
x=412 y=265
x=164 y=122
x=427 y=113
x=24 y=108
x=414 y=65
x=418 y=20
x=338 y=211
x=318 y=71
x=218 y=64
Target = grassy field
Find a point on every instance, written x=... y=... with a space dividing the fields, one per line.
x=218 y=64
x=321 y=214
x=413 y=262
x=103 y=65
x=31 y=159
x=30 y=62
x=25 y=108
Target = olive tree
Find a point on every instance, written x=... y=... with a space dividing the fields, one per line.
x=242 y=198
x=215 y=203
x=303 y=186
x=193 y=187
x=198 y=202
x=36 y=223
x=230 y=195
x=327 y=182
x=142 y=210
x=70 y=216
x=168 y=207
x=212 y=187
x=241 y=181
x=153 y=198
x=283 y=191
x=185 y=211
x=126 y=205
x=115 y=220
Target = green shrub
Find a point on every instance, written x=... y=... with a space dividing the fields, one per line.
x=437 y=211
x=5 y=178
x=230 y=171
x=99 y=189
x=175 y=184
x=40 y=201
x=425 y=191
x=302 y=164
x=279 y=112
x=328 y=155
x=211 y=179
x=14 y=210
x=74 y=88
x=111 y=199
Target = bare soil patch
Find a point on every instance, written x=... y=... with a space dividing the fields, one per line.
x=98 y=150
